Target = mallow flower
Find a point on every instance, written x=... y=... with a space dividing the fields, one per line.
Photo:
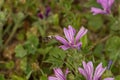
x=59 y=75
x=71 y=40
x=106 y=5
x=46 y=14
x=88 y=71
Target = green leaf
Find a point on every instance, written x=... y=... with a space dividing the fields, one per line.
x=20 y=51
x=31 y=44
x=41 y=27
x=29 y=74
x=20 y=36
x=117 y=77
x=23 y=64
x=107 y=73
x=55 y=19
x=113 y=46
x=56 y=57
x=44 y=50
x=33 y=40
x=71 y=77
x=92 y=3
x=18 y=17
x=115 y=26
x=44 y=77
x=66 y=4
x=9 y=65
x=95 y=22
x=84 y=41
x=2 y=77
x=15 y=77
x=2 y=17
x=98 y=51
x=25 y=67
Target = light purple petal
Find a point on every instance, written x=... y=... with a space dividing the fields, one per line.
x=104 y=3
x=97 y=11
x=71 y=33
x=82 y=71
x=72 y=29
x=61 y=39
x=84 y=64
x=67 y=35
x=78 y=45
x=52 y=78
x=90 y=69
x=64 y=47
x=110 y=3
x=99 y=1
x=86 y=69
x=59 y=74
x=109 y=79
x=98 y=71
x=81 y=33
x=87 y=72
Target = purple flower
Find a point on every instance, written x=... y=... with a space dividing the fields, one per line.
x=48 y=9
x=88 y=71
x=106 y=5
x=72 y=41
x=40 y=15
x=59 y=75
x=46 y=14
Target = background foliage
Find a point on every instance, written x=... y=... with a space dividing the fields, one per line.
x=28 y=52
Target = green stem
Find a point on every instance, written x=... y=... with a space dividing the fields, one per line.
x=115 y=59
x=1 y=35
x=74 y=54
x=12 y=34
x=42 y=72
x=7 y=29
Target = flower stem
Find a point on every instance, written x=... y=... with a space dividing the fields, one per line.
x=115 y=59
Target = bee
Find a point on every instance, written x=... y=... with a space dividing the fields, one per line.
x=47 y=38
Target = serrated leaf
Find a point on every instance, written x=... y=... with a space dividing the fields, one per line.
x=31 y=44
x=56 y=57
x=20 y=51
x=44 y=50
